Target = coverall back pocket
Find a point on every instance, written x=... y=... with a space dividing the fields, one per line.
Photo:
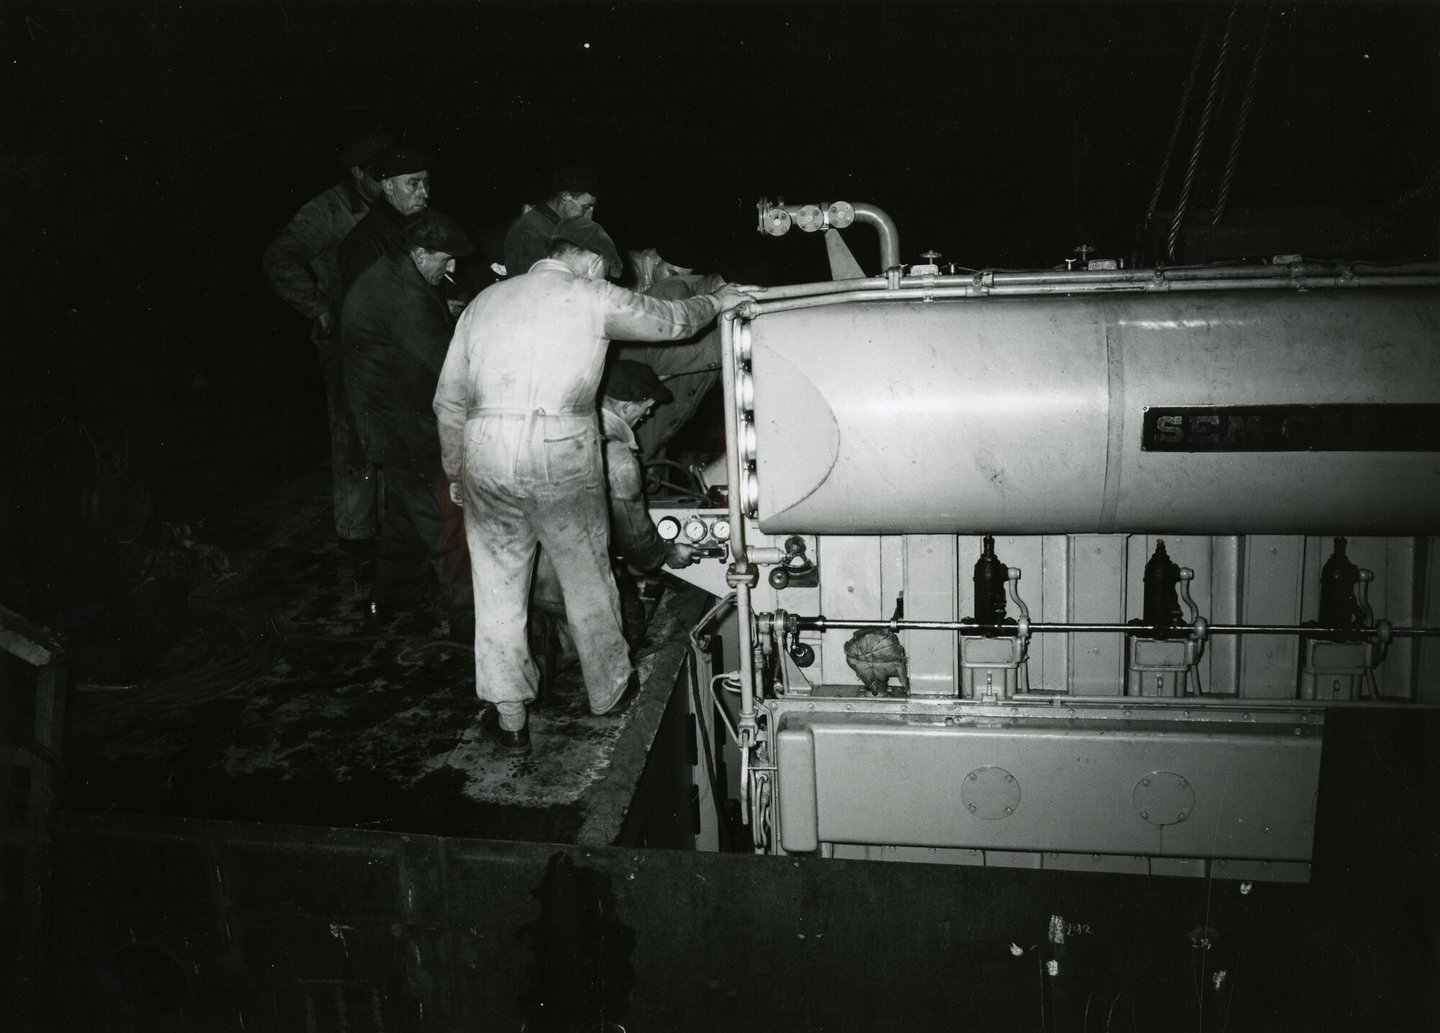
x=570 y=458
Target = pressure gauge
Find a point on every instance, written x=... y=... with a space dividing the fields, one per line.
x=668 y=528
x=695 y=529
x=721 y=530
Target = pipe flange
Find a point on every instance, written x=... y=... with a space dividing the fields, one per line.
x=746 y=574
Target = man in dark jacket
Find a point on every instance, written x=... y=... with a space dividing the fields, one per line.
x=303 y=269
x=404 y=177
x=395 y=329
x=574 y=191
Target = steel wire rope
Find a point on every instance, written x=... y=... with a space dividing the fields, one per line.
x=212 y=678
x=1201 y=131
x=1179 y=116
x=1232 y=160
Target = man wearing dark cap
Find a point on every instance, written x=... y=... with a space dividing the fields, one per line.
x=395 y=328
x=404 y=178
x=519 y=433
x=574 y=191
x=691 y=367
x=630 y=391
x=303 y=269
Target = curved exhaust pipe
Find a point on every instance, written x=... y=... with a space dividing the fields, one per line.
x=777 y=218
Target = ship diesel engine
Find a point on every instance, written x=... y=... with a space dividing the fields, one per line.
x=1064 y=569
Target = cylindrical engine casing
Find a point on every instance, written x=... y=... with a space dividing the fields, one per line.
x=1025 y=415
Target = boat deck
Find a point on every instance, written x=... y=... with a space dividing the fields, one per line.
x=278 y=702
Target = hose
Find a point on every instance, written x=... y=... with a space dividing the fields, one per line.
x=693 y=492
x=717 y=795
x=715 y=701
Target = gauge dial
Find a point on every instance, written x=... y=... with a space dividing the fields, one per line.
x=695 y=529
x=668 y=528
x=721 y=530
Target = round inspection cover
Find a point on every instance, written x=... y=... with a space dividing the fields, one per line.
x=991 y=793
x=1164 y=798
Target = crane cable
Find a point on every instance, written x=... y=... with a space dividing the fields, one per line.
x=1180 y=116
x=1221 y=59
x=1233 y=158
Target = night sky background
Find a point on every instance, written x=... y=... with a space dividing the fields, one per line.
x=152 y=149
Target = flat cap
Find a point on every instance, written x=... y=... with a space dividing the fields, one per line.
x=361 y=150
x=582 y=231
x=400 y=160
x=576 y=180
x=436 y=231
x=630 y=381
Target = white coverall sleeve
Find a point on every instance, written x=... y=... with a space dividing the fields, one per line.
x=638 y=317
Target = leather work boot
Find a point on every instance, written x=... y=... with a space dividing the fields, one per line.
x=514 y=743
x=632 y=690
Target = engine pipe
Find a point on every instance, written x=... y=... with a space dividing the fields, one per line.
x=1175 y=274
x=822 y=623
x=885 y=227
x=1079 y=282
x=866 y=213
x=777 y=301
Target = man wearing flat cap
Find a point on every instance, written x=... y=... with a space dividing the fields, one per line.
x=520 y=440
x=395 y=328
x=404 y=178
x=629 y=393
x=302 y=266
x=573 y=191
